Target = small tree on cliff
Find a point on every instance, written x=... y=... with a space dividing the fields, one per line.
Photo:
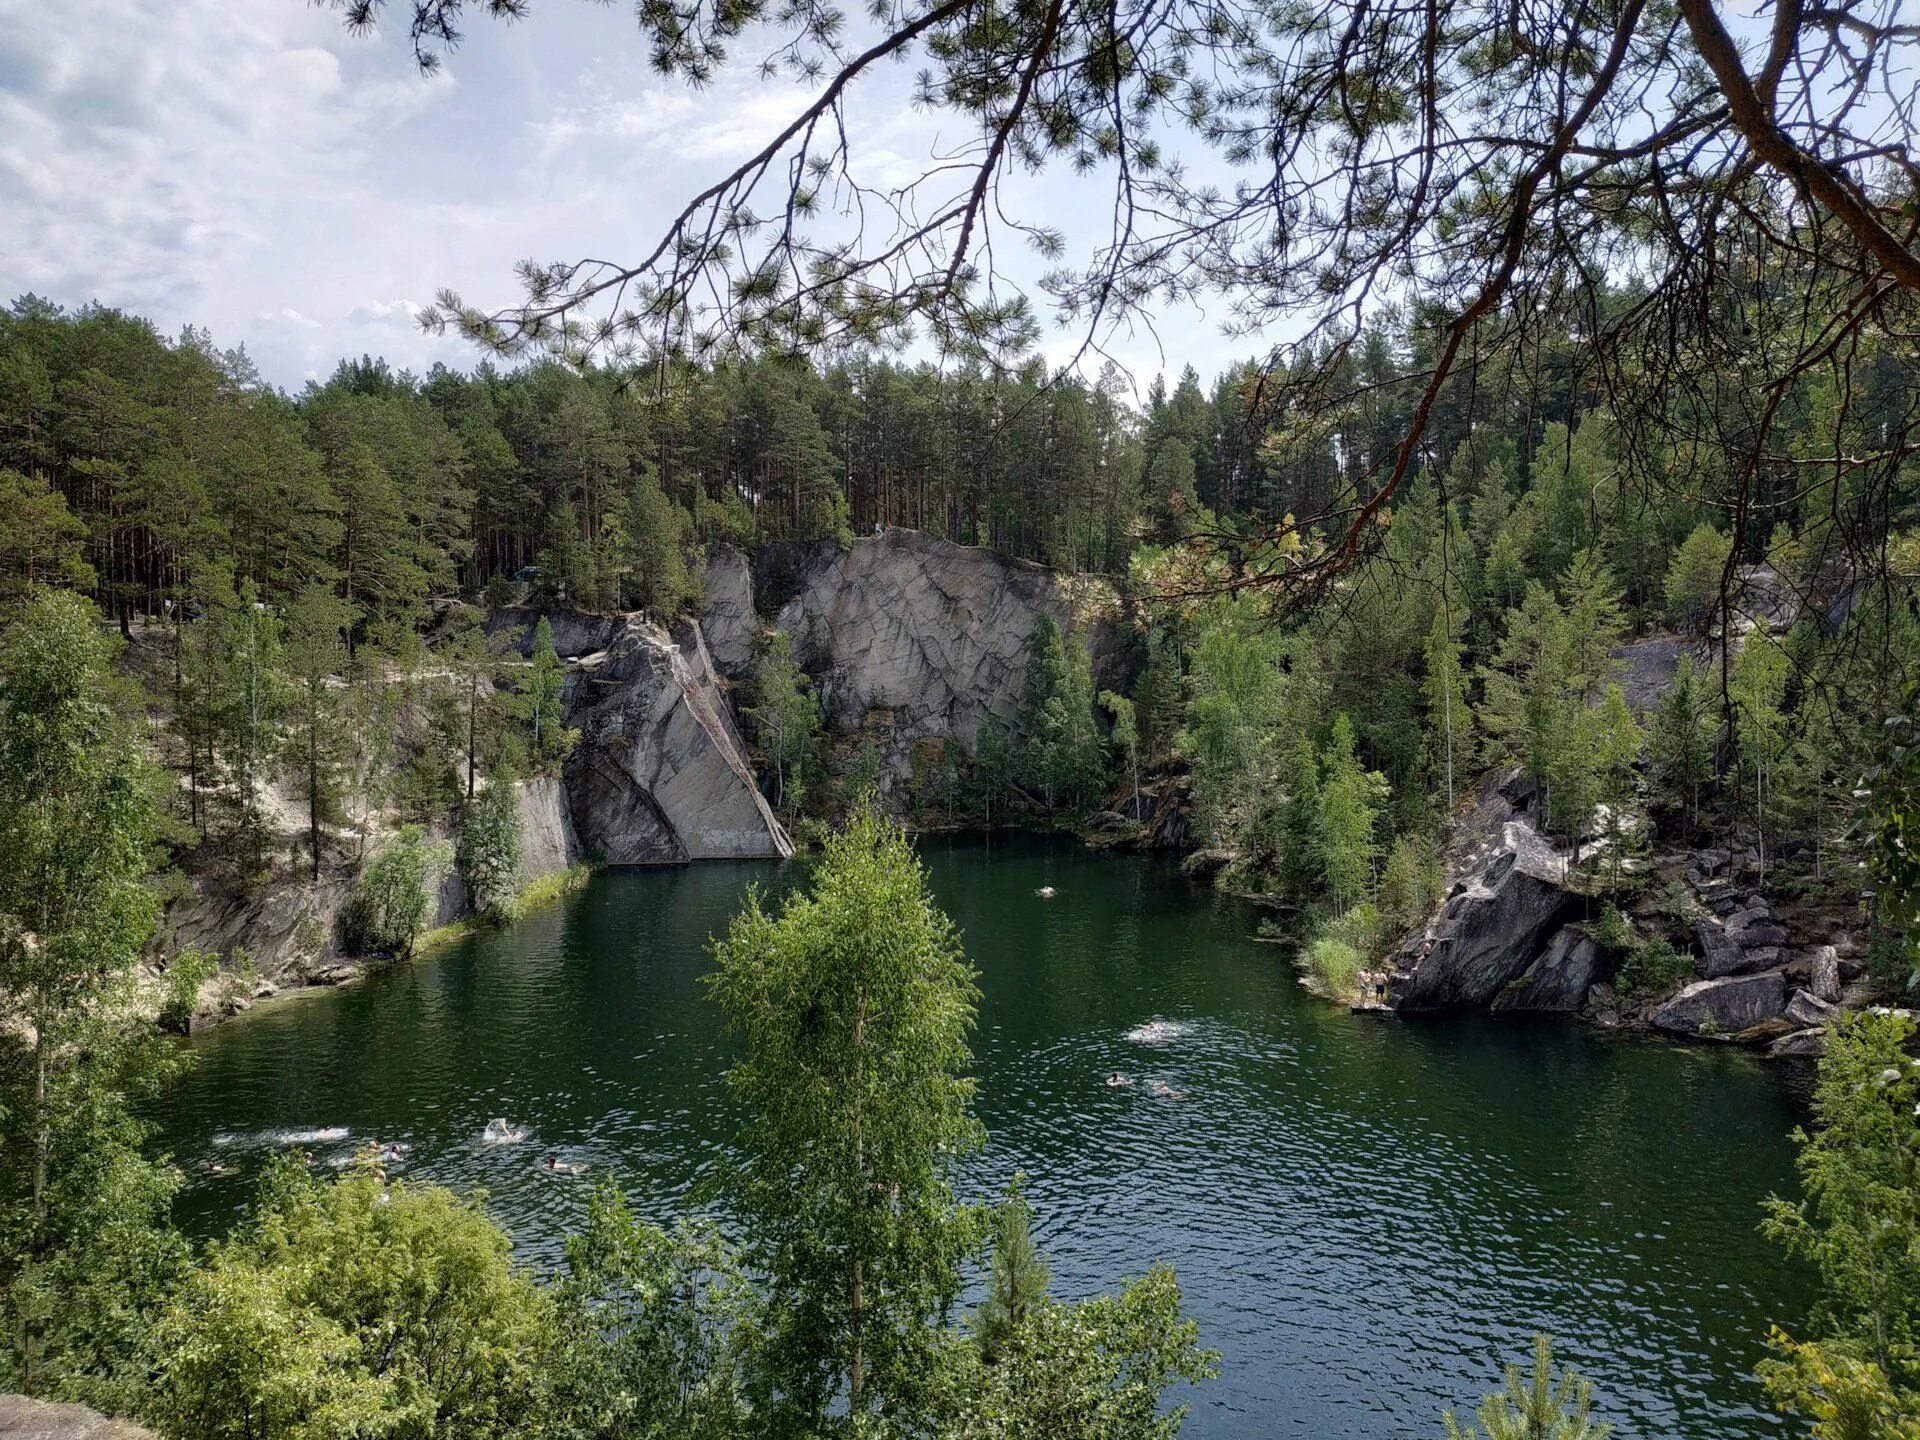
x=316 y=651
x=854 y=1003
x=787 y=717
x=540 y=701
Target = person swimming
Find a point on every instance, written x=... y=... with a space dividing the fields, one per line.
x=562 y=1167
x=1117 y=1081
x=214 y=1167
x=1046 y=892
x=1160 y=1087
x=499 y=1132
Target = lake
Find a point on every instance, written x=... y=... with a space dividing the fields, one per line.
x=1367 y=1215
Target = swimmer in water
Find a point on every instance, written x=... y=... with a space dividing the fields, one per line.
x=214 y=1167
x=1160 y=1087
x=1046 y=892
x=1117 y=1081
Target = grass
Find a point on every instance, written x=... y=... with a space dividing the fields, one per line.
x=534 y=895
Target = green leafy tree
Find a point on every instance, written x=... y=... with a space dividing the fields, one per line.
x=1060 y=755
x=1762 y=731
x=548 y=738
x=787 y=718
x=853 y=1003
x=390 y=901
x=1536 y=1406
x=42 y=542
x=478 y=663
x=1858 y=1222
x=355 y=1308
x=83 y=1248
x=1126 y=736
x=654 y=1327
x=488 y=850
x=1350 y=800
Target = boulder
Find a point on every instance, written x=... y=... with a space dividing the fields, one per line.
x=24 y=1419
x=1809 y=1044
x=1503 y=909
x=1755 y=930
x=1825 y=970
x=1807 y=1010
x=1723 y=953
x=1731 y=1004
x=1560 y=978
x=660 y=773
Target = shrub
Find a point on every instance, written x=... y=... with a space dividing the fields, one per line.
x=184 y=977
x=1334 y=965
x=1654 y=968
x=1411 y=884
x=389 y=905
x=1612 y=932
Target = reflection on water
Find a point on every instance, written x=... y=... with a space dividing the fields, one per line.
x=1368 y=1216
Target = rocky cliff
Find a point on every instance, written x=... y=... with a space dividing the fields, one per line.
x=912 y=640
x=1515 y=933
x=660 y=774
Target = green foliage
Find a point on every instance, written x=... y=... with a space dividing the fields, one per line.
x=488 y=850
x=185 y=974
x=390 y=901
x=1536 y=1406
x=1060 y=757
x=1652 y=969
x=1334 y=965
x=653 y=1328
x=1350 y=799
x=548 y=739
x=1680 y=743
x=1016 y=1280
x=1098 y=1370
x=1411 y=882
x=786 y=720
x=1858 y=1222
x=317 y=742
x=83 y=1248
x=1694 y=579
x=1612 y=932
x=854 y=1004
x=354 y=1308
x=1126 y=734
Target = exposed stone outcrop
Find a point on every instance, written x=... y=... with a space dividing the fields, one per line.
x=548 y=843
x=660 y=774
x=24 y=1419
x=288 y=929
x=1728 y=1006
x=916 y=639
x=727 y=616
x=1495 y=922
x=1570 y=966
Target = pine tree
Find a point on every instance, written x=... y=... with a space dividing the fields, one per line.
x=540 y=685
x=787 y=719
x=1536 y=1407
x=1016 y=1279
x=1679 y=743
x=317 y=738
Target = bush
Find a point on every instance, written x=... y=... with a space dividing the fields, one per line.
x=190 y=969
x=1334 y=965
x=1612 y=932
x=1411 y=884
x=355 y=1308
x=1654 y=968
x=1362 y=928
x=389 y=905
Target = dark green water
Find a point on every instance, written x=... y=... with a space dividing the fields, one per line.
x=1368 y=1216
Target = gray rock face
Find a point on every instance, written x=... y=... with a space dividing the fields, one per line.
x=575 y=633
x=1560 y=978
x=1809 y=1010
x=548 y=844
x=25 y=1419
x=1496 y=922
x=660 y=774
x=728 y=619
x=1732 y=1004
x=1809 y=1044
x=932 y=634
x=286 y=929
x=1825 y=969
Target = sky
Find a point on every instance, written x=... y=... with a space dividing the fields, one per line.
x=250 y=167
